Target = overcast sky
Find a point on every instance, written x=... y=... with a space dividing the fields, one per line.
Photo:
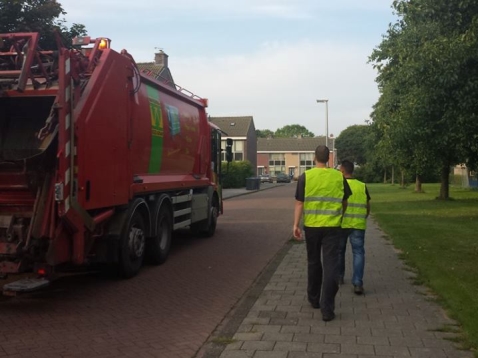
x=270 y=59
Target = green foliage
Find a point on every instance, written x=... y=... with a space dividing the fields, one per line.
x=428 y=80
x=351 y=144
x=369 y=173
x=293 y=130
x=264 y=133
x=41 y=16
x=288 y=131
x=438 y=239
x=235 y=176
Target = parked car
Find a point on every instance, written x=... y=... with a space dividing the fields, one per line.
x=266 y=178
x=282 y=178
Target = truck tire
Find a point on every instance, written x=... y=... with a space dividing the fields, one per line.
x=213 y=214
x=159 y=245
x=132 y=243
x=207 y=228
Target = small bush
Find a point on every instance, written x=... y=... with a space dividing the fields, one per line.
x=235 y=176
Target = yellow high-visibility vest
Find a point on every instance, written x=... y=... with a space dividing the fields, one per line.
x=324 y=192
x=355 y=216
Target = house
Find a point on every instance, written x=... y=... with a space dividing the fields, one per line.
x=158 y=69
x=243 y=133
x=292 y=156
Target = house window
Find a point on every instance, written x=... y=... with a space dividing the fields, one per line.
x=237 y=150
x=276 y=163
x=306 y=162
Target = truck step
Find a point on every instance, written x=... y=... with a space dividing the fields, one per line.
x=24 y=285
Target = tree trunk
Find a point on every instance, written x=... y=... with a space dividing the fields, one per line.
x=393 y=175
x=418 y=184
x=385 y=176
x=402 y=178
x=445 y=182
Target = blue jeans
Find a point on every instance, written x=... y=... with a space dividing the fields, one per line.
x=357 y=239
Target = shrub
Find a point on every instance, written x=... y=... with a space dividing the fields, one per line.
x=235 y=176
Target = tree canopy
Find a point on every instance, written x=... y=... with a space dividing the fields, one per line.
x=428 y=81
x=351 y=144
x=288 y=131
x=293 y=130
x=264 y=133
x=41 y=16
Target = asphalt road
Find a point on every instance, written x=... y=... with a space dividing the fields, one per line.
x=166 y=311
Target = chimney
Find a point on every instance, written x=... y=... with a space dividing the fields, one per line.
x=160 y=58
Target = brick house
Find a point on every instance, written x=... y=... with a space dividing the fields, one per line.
x=158 y=69
x=243 y=133
x=292 y=156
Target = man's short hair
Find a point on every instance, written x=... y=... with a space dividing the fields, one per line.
x=348 y=166
x=322 y=154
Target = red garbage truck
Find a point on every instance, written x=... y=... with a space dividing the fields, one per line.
x=99 y=162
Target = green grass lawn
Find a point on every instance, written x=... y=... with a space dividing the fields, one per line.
x=440 y=239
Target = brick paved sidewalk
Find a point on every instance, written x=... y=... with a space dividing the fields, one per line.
x=393 y=319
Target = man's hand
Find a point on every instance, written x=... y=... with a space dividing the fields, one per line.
x=297 y=233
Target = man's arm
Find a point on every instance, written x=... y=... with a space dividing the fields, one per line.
x=344 y=206
x=299 y=207
x=368 y=200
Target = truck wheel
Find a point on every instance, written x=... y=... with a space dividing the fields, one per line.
x=132 y=245
x=207 y=228
x=159 y=245
x=213 y=214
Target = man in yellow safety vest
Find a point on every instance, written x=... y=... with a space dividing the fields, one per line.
x=321 y=199
x=354 y=224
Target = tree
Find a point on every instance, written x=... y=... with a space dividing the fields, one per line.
x=428 y=82
x=350 y=144
x=42 y=16
x=264 y=133
x=293 y=130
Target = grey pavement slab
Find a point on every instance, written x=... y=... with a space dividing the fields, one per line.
x=394 y=318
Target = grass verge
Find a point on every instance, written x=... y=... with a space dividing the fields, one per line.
x=438 y=238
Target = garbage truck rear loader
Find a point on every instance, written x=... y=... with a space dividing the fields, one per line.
x=99 y=163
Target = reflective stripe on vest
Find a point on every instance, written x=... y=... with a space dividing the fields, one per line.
x=324 y=192
x=355 y=216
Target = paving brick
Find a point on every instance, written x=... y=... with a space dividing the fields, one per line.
x=357 y=349
x=295 y=329
x=428 y=352
x=248 y=336
x=258 y=345
x=291 y=346
x=393 y=351
x=266 y=328
x=274 y=354
x=332 y=338
x=376 y=341
x=278 y=337
x=323 y=347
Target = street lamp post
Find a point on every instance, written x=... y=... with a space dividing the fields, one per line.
x=326 y=101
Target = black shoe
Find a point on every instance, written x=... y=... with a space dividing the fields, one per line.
x=314 y=305
x=326 y=317
x=358 y=290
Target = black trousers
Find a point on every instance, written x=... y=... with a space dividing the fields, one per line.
x=323 y=266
